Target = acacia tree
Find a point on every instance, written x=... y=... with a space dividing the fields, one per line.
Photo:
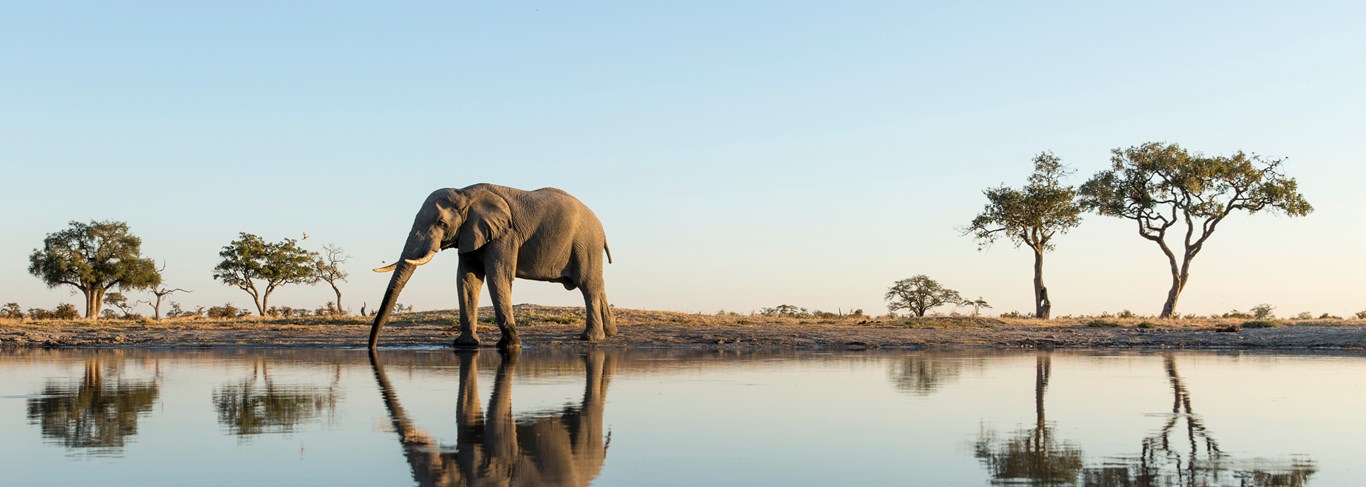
x=250 y=258
x=1031 y=217
x=919 y=294
x=1166 y=189
x=976 y=304
x=94 y=258
x=327 y=267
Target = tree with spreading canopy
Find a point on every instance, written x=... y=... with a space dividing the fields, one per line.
x=1168 y=190
x=920 y=294
x=250 y=258
x=94 y=258
x=1031 y=217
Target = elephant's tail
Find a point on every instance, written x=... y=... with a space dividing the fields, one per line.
x=609 y=252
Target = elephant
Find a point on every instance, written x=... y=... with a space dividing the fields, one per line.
x=503 y=233
x=563 y=447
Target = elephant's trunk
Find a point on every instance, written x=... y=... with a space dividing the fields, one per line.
x=386 y=306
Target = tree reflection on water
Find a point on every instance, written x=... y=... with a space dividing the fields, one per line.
x=565 y=447
x=258 y=405
x=1198 y=460
x=1035 y=457
x=923 y=373
x=97 y=413
x=1032 y=454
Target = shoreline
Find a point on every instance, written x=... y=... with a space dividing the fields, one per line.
x=558 y=328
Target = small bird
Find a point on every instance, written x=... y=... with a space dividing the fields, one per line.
x=305 y=236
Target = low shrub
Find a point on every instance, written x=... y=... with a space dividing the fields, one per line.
x=1262 y=324
x=1102 y=323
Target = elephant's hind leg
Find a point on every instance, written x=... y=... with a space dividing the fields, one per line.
x=598 y=322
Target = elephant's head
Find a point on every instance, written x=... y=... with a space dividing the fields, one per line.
x=465 y=219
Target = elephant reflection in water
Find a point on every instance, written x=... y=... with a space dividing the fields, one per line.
x=494 y=448
x=98 y=413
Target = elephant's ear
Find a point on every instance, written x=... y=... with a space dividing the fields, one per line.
x=488 y=218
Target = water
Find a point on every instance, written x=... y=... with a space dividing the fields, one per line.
x=331 y=417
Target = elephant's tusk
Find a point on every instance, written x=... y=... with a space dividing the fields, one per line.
x=387 y=268
x=421 y=261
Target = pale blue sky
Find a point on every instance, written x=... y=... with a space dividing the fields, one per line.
x=740 y=154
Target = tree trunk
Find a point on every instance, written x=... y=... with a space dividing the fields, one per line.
x=156 y=309
x=94 y=298
x=1179 y=278
x=1043 y=308
x=261 y=304
x=340 y=309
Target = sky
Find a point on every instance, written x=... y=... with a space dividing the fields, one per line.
x=741 y=155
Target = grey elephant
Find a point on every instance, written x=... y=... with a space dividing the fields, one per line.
x=504 y=233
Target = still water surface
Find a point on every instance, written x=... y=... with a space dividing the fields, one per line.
x=434 y=417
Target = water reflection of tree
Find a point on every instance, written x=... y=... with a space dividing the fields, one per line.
x=258 y=405
x=1198 y=461
x=97 y=413
x=924 y=373
x=1033 y=455
x=495 y=448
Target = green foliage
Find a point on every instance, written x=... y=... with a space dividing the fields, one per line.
x=1262 y=324
x=1102 y=323
x=1263 y=311
x=227 y=311
x=1016 y=314
x=63 y=311
x=250 y=258
x=1327 y=316
x=1237 y=314
x=1127 y=314
x=786 y=311
x=1162 y=186
x=919 y=294
x=1146 y=325
x=1033 y=215
x=11 y=311
x=1304 y=315
x=94 y=258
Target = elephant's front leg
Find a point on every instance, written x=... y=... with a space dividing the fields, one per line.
x=469 y=280
x=500 y=292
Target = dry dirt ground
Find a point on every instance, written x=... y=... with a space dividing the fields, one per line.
x=558 y=327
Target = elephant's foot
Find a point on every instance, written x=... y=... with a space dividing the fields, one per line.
x=510 y=341
x=466 y=341
x=594 y=335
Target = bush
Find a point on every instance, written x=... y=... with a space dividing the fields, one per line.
x=1101 y=323
x=1327 y=316
x=1016 y=314
x=1263 y=311
x=786 y=311
x=1147 y=324
x=227 y=311
x=1304 y=316
x=1361 y=315
x=1262 y=324
x=11 y=311
x=1126 y=314
x=1238 y=314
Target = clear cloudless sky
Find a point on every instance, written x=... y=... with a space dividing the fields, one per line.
x=740 y=154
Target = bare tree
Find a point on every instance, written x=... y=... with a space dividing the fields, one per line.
x=328 y=268
x=160 y=295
